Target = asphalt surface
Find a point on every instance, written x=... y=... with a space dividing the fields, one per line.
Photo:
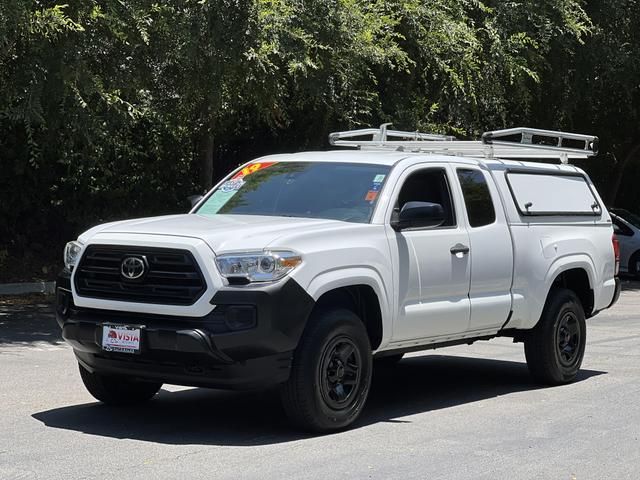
x=460 y=413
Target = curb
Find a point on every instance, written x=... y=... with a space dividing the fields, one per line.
x=24 y=288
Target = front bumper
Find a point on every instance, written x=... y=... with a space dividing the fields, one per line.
x=247 y=341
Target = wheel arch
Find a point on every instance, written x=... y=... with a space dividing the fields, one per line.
x=361 y=300
x=358 y=290
x=577 y=275
x=577 y=280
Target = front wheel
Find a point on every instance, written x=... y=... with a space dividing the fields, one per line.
x=331 y=373
x=555 y=347
x=117 y=390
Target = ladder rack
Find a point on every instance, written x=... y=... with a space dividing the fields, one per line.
x=513 y=143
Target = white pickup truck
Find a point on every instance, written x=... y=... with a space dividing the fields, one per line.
x=305 y=270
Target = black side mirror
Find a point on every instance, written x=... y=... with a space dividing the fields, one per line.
x=194 y=199
x=418 y=215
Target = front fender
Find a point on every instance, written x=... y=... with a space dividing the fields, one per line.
x=355 y=275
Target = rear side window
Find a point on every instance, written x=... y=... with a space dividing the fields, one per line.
x=477 y=197
x=552 y=194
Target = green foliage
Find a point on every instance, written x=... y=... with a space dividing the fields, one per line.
x=595 y=86
x=115 y=108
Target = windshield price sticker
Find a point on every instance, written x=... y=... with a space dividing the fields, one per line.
x=252 y=168
x=120 y=338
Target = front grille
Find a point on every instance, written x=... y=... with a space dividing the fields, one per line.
x=172 y=276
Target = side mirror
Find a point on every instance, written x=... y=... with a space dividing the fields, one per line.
x=418 y=215
x=194 y=199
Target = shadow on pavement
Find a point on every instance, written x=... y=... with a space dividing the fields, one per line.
x=212 y=417
x=28 y=320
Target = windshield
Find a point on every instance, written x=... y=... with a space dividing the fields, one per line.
x=336 y=191
x=632 y=218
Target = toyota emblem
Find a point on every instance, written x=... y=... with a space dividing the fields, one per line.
x=133 y=268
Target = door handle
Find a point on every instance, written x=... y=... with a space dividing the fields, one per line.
x=459 y=248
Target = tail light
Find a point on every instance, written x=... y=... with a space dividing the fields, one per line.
x=616 y=252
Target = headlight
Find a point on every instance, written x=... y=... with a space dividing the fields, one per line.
x=72 y=254
x=258 y=266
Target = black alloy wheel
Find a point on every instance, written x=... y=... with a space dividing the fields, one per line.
x=554 y=348
x=330 y=372
x=568 y=337
x=339 y=372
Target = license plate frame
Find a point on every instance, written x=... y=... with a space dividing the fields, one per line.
x=122 y=338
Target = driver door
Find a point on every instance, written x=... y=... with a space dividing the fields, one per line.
x=432 y=269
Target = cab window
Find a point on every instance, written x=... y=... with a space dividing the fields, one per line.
x=429 y=185
x=477 y=197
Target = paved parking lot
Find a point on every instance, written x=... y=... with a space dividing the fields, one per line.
x=462 y=412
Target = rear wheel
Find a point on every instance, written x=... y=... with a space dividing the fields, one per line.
x=331 y=372
x=117 y=390
x=555 y=347
x=634 y=265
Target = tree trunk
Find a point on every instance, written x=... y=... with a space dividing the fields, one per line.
x=620 y=174
x=206 y=156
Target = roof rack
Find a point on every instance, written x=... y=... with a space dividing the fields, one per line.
x=512 y=143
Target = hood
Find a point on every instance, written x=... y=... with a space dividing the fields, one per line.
x=223 y=233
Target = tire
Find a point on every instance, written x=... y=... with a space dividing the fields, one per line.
x=117 y=390
x=389 y=361
x=634 y=264
x=334 y=349
x=555 y=347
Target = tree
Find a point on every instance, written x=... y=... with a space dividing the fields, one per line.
x=118 y=108
x=595 y=87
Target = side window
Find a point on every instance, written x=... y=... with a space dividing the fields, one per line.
x=429 y=185
x=477 y=197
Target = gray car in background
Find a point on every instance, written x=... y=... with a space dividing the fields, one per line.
x=626 y=226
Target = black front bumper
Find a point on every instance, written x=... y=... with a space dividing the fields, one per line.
x=247 y=341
